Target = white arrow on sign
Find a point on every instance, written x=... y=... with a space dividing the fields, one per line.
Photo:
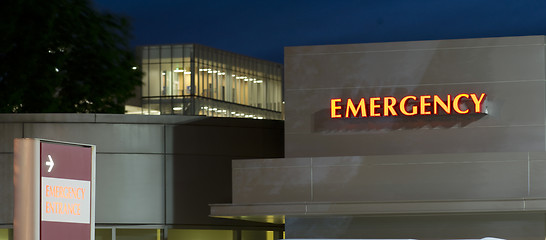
x=50 y=163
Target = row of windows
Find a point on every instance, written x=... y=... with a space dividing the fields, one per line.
x=166 y=54
x=204 y=106
x=176 y=80
x=194 y=70
x=208 y=56
x=114 y=233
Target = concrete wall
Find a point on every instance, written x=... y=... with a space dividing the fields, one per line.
x=150 y=169
x=199 y=166
x=510 y=70
x=393 y=178
x=525 y=226
x=428 y=177
x=8 y=131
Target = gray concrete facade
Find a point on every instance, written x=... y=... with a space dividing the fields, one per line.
x=425 y=177
x=151 y=170
x=509 y=70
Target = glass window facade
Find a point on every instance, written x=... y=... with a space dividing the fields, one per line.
x=257 y=235
x=6 y=234
x=138 y=234
x=200 y=234
x=103 y=234
x=193 y=79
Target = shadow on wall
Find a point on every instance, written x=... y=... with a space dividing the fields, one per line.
x=434 y=69
x=199 y=173
x=323 y=122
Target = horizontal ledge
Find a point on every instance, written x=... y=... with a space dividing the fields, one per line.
x=400 y=159
x=275 y=212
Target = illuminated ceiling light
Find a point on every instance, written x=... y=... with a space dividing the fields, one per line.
x=205 y=107
x=209 y=71
x=258 y=81
x=163 y=73
x=232 y=112
x=187 y=72
x=177 y=108
x=205 y=69
x=260 y=117
x=214 y=71
x=179 y=70
x=233 y=75
x=221 y=73
x=134 y=68
x=56 y=70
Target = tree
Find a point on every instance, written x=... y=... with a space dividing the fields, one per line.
x=63 y=56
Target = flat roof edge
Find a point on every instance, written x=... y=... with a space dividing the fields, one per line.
x=435 y=44
x=275 y=212
x=95 y=118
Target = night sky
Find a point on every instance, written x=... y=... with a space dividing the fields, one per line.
x=263 y=28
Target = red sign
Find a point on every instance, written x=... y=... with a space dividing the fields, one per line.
x=66 y=191
x=463 y=103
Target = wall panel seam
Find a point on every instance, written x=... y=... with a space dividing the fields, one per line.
x=409 y=85
x=413 y=50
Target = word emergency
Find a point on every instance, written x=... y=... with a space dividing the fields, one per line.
x=409 y=106
x=62 y=192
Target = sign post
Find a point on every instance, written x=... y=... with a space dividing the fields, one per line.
x=54 y=190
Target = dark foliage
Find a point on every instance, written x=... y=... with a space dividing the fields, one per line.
x=63 y=56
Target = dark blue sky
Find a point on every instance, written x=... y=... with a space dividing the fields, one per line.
x=262 y=28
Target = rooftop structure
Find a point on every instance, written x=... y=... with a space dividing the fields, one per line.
x=192 y=79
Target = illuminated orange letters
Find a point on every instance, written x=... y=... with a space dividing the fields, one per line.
x=351 y=107
x=478 y=102
x=443 y=105
x=409 y=106
x=424 y=104
x=388 y=106
x=374 y=106
x=403 y=106
x=334 y=107
x=456 y=103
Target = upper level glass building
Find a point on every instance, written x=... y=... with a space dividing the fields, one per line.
x=192 y=79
